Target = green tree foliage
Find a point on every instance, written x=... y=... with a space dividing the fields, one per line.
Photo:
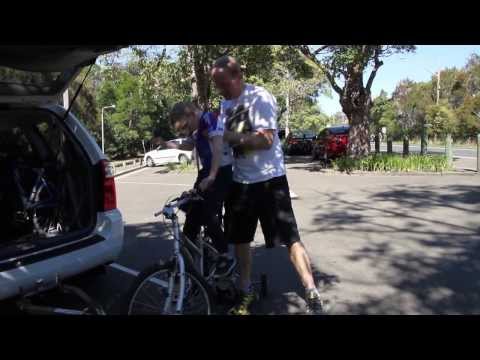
x=458 y=100
x=144 y=82
x=309 y=117
x=383 y=114
x=441 y=119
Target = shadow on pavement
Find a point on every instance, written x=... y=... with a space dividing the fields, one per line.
x=285 y=291
x=430 y=259
x=147 y=243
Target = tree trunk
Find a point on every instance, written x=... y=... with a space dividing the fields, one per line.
x=359 y=140
x=200 y=75
x=389 y=146
x=406 y=144
x=377 y=143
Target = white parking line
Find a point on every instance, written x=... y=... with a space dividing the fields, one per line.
x=151 y=183
x=463 y=157
x=135 y=273
x=132 y=173
x=432 y=147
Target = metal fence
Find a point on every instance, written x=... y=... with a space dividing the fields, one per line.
x=120 y=167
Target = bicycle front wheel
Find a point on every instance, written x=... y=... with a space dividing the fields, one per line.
x=150 y=292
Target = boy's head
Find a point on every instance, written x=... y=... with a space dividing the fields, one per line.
x=184 y=118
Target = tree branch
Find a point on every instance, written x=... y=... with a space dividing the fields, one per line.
x=311 y=56
x=377 y=65
x=320 y=49
x=331 y=79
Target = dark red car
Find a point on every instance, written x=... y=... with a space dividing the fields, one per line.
x=299 y=142
x=331 y=143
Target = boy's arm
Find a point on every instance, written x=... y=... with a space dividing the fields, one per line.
x=217 y=145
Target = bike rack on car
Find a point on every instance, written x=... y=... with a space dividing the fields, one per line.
x=90 y=307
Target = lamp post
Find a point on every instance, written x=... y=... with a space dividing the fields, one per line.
x=103 y=140
x=478 y=143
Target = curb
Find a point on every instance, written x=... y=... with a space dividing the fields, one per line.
x=129 y=171
x=412 y=173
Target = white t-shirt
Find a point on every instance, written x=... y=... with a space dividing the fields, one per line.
x=258 y=108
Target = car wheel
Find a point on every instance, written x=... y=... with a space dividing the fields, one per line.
x=183 y=159
x=150 y=162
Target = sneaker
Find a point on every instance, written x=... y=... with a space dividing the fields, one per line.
x=244 y=303
x=315 y=305
x=225 y=266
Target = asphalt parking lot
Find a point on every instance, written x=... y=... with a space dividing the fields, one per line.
x=379 y=244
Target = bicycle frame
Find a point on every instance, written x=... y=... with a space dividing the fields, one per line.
x=179 y=260
x=179 y=266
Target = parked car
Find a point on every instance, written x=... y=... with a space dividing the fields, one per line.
x=58 y=212
x=331 y=143
x=163 y=155
x=299 y=143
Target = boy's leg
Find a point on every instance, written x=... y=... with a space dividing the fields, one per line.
x=214 y=199
x=193 y=218
x=193 y=222
x=244 y=258
x=242 y=224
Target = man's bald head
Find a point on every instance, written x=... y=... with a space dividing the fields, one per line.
x=227 y=76
x=228 y=63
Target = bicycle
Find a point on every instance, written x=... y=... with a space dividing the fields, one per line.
x=40 y=205
x=187 y=282
x=178 y=285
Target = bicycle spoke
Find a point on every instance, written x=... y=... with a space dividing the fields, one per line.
x=148 y=306
x=153 y=298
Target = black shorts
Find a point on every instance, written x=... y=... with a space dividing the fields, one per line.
x=267 y=201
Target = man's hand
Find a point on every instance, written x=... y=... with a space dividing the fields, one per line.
x=206 y=183
x=158 y=141
x=230 y=136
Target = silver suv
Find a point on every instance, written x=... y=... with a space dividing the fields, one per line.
x=58 y=212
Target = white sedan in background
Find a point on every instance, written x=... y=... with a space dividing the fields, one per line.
x=162 y=155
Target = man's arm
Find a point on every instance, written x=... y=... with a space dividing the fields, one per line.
x=259 y=140
x=264 y=115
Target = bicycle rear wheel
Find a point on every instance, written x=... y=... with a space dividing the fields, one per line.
x=149 y=293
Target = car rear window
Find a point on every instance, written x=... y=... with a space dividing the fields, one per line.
x=301 y=134
x=339 y=130
x=20 y=77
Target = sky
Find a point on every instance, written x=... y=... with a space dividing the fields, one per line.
x=417 y=66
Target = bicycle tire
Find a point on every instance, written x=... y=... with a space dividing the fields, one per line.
x=195 y=286
x=74 y=302
x=92 y=306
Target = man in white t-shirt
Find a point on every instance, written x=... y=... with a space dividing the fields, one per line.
x=260 y=188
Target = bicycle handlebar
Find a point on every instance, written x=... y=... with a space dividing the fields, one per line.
x=187 y=196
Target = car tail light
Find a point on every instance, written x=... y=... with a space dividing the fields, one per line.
x=109 y=198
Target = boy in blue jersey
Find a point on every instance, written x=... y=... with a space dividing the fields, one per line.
x=205 y=134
